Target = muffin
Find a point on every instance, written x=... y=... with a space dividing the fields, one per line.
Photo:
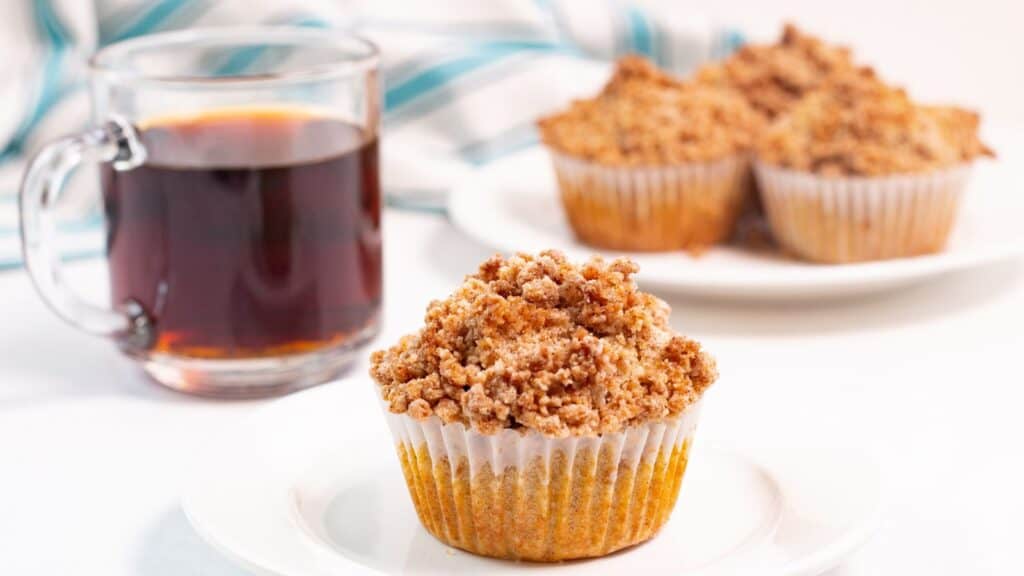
x=652 y=163
x=857 y=171
x=545 y=411
x=774 y=77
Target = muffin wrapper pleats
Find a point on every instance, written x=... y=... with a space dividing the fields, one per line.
x=530 y=497
x=839 y=220
x=686 y=206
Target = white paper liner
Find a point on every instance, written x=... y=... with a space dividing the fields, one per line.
x=545 y=472
x=853 y=219
x=652 y=208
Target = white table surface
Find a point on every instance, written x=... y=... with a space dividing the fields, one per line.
x=92 y=454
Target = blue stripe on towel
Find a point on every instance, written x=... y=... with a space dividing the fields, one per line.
x=443 y=73
x=641 y=36
x=158 y=16
x=151 y=19
x=457 y=90
x=242 y=59
x=404 y=69
x=730 y=42
x=49 y=89
x=512 y=140
x=468 y=31
x=310 y=21
x=735 y=41
x=53 y=28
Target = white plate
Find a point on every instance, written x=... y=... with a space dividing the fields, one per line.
x=310 y=485
x=512 y=205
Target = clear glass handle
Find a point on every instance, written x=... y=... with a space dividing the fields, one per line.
x=115 y=142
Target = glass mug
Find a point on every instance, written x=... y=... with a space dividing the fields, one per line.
x=240 y=185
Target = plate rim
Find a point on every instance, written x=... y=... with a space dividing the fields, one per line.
x=464 y=201
x=207 y=460
x=816 y=562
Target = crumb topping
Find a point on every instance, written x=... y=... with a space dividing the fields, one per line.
x=773 y=77
x=537 y=342
x=645 y=117
x=857 y=125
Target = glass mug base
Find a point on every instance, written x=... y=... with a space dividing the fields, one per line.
x=255 y=377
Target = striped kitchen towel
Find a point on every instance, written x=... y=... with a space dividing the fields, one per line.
x=464 y=79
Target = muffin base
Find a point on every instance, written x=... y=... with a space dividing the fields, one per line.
x=523 y=496
x=688 y=206
x=843 y=220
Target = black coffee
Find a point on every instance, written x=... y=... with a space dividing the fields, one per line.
x=249 y=233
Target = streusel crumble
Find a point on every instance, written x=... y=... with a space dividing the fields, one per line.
x=539 y=343
x=774 y=77
x=856 y=125
x=643 y=117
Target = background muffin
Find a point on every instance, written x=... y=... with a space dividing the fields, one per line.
x=857 y=171
x=652 y=163
x=774 y=77
x=545 y=411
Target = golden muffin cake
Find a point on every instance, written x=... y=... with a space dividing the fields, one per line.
x=652 y=163
x=545 y=411
x=774 y=77
x=858 y=171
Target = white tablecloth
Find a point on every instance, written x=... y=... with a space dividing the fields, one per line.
x=92 y=454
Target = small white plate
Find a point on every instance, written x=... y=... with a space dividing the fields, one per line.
x=310 y=485
x=512 y=205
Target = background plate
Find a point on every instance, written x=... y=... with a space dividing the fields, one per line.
x=512 y=205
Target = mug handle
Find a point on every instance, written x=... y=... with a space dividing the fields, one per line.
x=117 y=142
